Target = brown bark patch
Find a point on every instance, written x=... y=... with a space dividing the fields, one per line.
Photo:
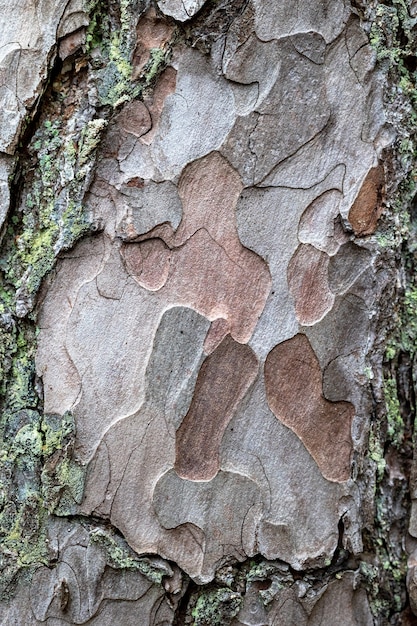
x=367 y=208
x=155 y=102
x=152 y=31
x=134 y=118
x=209 y=189
x=308 y=284
x=136 y=182
x=148 y=262
x=223 y=380
x=208 y=269
x=217 y=332
x=293 y=381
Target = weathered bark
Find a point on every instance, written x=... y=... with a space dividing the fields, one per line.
x=208 y=312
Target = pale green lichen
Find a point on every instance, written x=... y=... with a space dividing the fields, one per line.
x=27 y=443
x=157 y=61
x=390 y=565
x=29 y=440
x=278 y=576
x=391 y=33
x=7 y=341
x=376 y=454
x=115 y=46
x=384 y=31
x=116 y=84
x=216 y=607
x=70 y=478
x=98 y=25
x=91 y=135
x=371 y=577
x=56 y=429
x=260 y=571
x=38 y=475
x=111 y=44
x=395 y=423
x=50 y=218
x=62 y=479
x=52 y=214
x=22 y=538
x=120 y=556
x=393 y=37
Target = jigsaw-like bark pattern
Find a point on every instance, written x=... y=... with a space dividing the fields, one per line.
x=212 y=337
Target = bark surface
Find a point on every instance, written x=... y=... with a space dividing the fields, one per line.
x=208 y=313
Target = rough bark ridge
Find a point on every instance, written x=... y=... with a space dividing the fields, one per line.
x=207 y=313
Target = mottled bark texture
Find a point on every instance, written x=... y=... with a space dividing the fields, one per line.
x=208 y=312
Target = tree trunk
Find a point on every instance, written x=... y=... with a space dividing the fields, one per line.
x=208 y=312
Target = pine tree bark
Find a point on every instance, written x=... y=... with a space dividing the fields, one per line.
x=208 y=313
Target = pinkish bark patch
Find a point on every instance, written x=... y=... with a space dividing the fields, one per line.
x=293 y=381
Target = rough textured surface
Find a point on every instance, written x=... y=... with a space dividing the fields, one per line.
x=202 y=209
x=181 y=10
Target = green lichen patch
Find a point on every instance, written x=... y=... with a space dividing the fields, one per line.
x=99 y=26
x=111 y=43
x=404 y=336
x=395 y=423
x=120 y=556
x=216 y=607
x=62 y=478
x=28 y=439
x=376 y=453
x=384 y=575
x=38 y=474
x=252 y=586
x=51 y=216
x=393 y=37
x=22 y=541
x=392 y=32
